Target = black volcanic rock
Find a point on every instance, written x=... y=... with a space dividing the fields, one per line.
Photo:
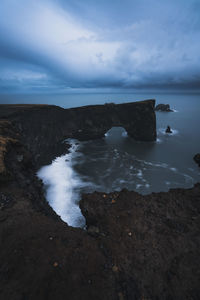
x=163 y=107
x=135 y=247
x=43 y=127
x=197 y=158
x=151 y=242
x=168 y=129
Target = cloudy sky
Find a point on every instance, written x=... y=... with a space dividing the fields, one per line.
x=56 y=45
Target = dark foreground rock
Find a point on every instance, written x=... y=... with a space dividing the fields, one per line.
x=197 y=158
x=136 y=247
x=163 y=107
x=151 y=242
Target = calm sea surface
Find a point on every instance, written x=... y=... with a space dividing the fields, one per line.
x=117 y=161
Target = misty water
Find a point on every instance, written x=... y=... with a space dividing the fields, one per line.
x=117 y=161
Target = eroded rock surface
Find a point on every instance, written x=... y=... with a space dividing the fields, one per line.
x=163 y=107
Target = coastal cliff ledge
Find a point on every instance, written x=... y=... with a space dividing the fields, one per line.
x=134 y=246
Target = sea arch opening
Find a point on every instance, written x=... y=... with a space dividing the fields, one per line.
x=116 y=134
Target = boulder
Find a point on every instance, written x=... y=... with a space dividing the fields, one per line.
x=168 y=130
x=163 y=107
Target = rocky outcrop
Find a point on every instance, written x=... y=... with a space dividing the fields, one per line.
x=43 y=128
x=168 y=129
x=150 y=242
x=197 y=158
x=163 y=107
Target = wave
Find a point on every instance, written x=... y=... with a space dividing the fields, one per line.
x=63 y=185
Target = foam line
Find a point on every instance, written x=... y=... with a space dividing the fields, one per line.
x=62 y=187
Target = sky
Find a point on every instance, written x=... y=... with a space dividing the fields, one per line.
x=61 y=45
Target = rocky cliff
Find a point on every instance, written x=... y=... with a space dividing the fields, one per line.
x=134 y=246
x=43 y=127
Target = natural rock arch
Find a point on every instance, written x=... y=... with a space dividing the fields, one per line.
x=137 y=118
x=43 y=127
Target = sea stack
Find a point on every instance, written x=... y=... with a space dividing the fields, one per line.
x=168 y=130
x=163 y=107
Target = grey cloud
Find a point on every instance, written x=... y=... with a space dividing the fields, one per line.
x=121 y=44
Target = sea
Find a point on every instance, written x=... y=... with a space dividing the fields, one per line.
x=117 y=161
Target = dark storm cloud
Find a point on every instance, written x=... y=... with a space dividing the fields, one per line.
x=119 y=44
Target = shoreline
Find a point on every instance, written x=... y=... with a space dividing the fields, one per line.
x=135 y=247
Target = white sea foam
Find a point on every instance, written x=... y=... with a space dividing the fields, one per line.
x=124 y=134
x=138 y=186
x=167 y=183
x=161 y=165
x=139 y=174
x=62 y=187
x=122 y=181
x=158 y=141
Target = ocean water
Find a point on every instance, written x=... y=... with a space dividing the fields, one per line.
x=117 y=161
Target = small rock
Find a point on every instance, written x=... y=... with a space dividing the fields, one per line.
x=3 y=218
x=51 y=238
x=121 y=296
x=103 y=234
x=115 y=268
x=168 y=130
x=55 y=264
x=20 y=158
x=93 y=229
x=5 y=201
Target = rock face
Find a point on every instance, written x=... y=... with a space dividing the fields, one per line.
x=44 y=127
x=150 y=248
x=135 y=247
x=197 y=158
x=163 y=107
